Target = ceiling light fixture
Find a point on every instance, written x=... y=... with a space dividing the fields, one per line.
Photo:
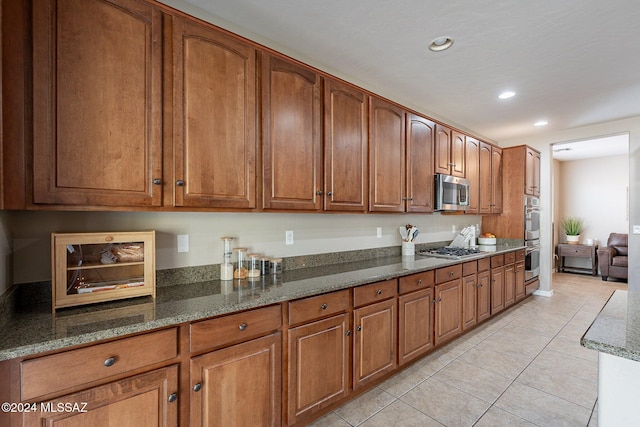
x=541 y=123
x=440 y=44
x=506 y=95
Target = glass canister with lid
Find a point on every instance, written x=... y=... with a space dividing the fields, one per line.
x=240 y=271
x=253 y=267
x=226 y=268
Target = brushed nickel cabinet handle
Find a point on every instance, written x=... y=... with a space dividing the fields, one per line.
x=379 y=292
x=242 y=326
x=359 y=328
x=173 y=397
x=323 y=306
x=180 y=183
x=157 y=181
x=197 y=387
x=110 y=362
x=348 y=333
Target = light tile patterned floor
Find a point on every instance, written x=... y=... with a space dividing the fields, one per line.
x=525 y=367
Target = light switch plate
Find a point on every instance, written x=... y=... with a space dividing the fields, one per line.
x=183 y=243
x=636 y=229
x=379 y=232
x=288 y=237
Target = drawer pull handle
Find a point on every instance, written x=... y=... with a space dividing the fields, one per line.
x=197 y=387
x=379 y=292
x=451 y=273
x=348 y=333
x=173 y=397
x=419 y=281
x=242 y=326
x=323 y=306
x=110 y=362
x=359 y=328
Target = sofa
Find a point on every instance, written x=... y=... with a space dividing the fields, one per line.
x=613 y=258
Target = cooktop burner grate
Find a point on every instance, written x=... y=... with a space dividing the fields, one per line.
x=449 y=252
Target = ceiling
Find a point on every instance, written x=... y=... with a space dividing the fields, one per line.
x=614 y=145
x=571 y=62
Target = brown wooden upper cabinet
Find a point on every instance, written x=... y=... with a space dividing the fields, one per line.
x=346 y=139
x=449 y=152
x=291 y=136
x=419 y=165
x=386 y=157
x=472 y=173
x=214 y=118
x=97 y=103
x=532 y=172
x=490 y=200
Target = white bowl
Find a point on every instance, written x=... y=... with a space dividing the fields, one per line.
x=487 y=240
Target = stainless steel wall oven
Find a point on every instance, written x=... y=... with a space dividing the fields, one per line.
x=532 y=237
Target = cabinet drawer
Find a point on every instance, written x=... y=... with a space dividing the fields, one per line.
x=470 y=267
x=579 y=251
x=520 y=255
x=416 y=281
x=510 y=258
x=308 y=309
x=218 y=332
x=70 y=369
x=367 y=294
x=484 y=264
x=497 y=261
x=448 y=273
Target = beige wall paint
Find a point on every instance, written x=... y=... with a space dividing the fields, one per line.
x=261 y=232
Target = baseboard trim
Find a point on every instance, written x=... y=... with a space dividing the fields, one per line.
x=543 y=293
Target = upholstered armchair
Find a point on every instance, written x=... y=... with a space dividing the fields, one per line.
x=613 y=258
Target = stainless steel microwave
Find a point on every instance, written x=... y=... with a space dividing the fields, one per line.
x=451 y=193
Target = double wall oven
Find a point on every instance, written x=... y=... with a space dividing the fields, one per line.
x=532 y=237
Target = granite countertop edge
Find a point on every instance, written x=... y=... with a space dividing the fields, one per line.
x=616 y=329
x=18 y=343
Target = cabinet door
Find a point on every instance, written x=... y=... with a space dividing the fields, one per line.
x=484 y=295
x=97 y=103
x=238 y=385
x=497 y=290
x=386 y=157
x=318 y=368
x=420 y=137
x=520 y=286
x=374 y=349
x=214 y=126
x=415 y=328
x=469 y=301
x=532 y=172
x=457 y=154
x=496 y=179
x=472 y=173
x=448 y=313
x=291 y=136
x=442 y=150
x=484 y=200
x=346 y=136
x=143 y=400
x=509 y=285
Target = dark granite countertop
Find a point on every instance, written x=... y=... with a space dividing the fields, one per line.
x=35 y=329
x=616 y=329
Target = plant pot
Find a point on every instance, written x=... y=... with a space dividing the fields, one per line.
x=573 y=240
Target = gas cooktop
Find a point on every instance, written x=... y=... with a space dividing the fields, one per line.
x=449 y=252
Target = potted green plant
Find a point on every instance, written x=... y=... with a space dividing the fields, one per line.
x=572 y=228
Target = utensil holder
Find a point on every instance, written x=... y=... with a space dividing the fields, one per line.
x=408 y=248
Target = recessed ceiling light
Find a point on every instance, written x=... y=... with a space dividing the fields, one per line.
x=506 y=95
x=541 y=123
x=440 y=43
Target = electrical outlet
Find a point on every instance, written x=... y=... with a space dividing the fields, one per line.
x=379 y=232
x=288 y=237
x=183 y=243
x=636 y=229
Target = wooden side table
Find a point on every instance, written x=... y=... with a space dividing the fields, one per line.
x=577 y=251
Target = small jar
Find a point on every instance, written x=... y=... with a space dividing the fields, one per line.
x=276 y=266
x=265 y=265
x=226 y=268
x=240 y=271
x=254 y=267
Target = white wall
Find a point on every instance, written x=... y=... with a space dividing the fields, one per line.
x=261 y=232
x=543 y=143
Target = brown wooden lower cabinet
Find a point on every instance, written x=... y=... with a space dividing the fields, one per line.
x=469 y=301
x=484 y=295
x=239 y=385
x=509 y=285
x=448 y=312
x=318 y=366
x=415 y=324
x=497 y=290
x=520 y=287
x=148 y=399
x=374 y=350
